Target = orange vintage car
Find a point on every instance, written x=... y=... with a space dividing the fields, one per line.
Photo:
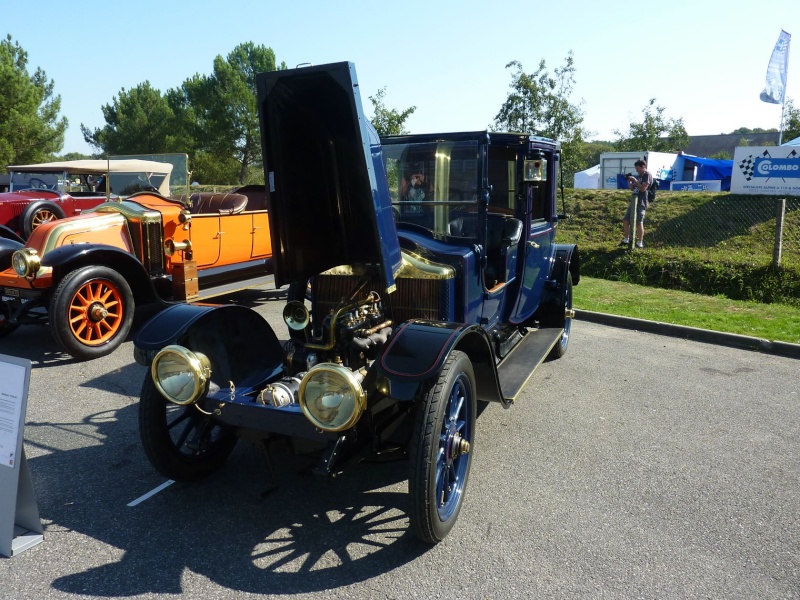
x=84 y=275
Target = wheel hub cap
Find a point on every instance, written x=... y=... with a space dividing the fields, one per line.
x=98 y=312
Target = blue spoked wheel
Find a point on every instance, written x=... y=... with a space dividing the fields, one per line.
x=441 y=450
x=560 y=349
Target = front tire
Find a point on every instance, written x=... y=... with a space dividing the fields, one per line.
x=6 y=327
x=180 y=442
x=91 y=312
x=441 y=450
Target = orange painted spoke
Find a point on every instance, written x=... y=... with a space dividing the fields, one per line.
x=80 y=319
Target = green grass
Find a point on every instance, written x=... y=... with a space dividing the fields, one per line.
x=775 y=322
x=706 y=243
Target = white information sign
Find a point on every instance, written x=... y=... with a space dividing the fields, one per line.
x=766 y=170
x=20 y=525
x=11 y=391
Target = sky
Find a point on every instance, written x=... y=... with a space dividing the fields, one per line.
x=704 y=61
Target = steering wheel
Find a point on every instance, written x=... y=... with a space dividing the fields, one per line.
x=37 y=183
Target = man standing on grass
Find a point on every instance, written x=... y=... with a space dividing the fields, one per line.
x=639 y=185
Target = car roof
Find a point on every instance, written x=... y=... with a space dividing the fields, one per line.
x=94 y=166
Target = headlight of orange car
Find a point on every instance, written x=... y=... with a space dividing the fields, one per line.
x=331 y=397
x=180 y=374
x=26 y=262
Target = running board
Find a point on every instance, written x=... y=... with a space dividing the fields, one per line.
x=517 y=367
x=235 y=286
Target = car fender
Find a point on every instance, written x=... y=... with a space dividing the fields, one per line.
x=418 y=350
x=9 y=234
x=240 y=344
x=566 y=260
x=7 y=248
x=65 y=259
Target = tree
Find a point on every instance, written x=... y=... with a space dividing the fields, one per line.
x=655 y=132
x=588 y=153
x=539 y=104
x=386 y=121
x=30 y=128
x=791 y=122
x=139 y=121
x=222 y=108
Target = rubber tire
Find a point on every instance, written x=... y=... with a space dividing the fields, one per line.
x=161 y=451
x=560 y=349
x=32 y=211
x=60 y=307
x=426 y=443
x=6 y=328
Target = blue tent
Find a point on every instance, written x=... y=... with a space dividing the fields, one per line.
x=710 y=168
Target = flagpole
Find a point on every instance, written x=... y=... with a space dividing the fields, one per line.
x=785 y=80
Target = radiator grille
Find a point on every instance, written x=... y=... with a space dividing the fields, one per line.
x=413 y=298
x=154 y=249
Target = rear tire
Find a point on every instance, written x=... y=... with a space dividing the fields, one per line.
x=560 y=349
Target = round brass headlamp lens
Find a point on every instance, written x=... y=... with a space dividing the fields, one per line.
x=180 y=374
x=331 y=397
x=25 y=262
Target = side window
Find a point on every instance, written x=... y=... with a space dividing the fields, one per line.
x=503 y=178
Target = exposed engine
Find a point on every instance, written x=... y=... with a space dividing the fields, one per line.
x=351 y=335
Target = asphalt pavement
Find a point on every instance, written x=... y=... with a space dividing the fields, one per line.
x=637 y=466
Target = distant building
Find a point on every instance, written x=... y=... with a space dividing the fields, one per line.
x=710 y=145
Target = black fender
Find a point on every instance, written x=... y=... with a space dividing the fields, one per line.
x=74 y=256
x=10 y=234
x=7 y=248
x=239 y=343
x=418 y=349
x=566 y=260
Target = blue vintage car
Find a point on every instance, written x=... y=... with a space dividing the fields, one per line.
x=425 y=281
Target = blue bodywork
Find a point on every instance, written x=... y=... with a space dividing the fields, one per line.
x=466 y=261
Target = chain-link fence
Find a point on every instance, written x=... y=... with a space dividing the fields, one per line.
x=766 y=227
x=761 y=228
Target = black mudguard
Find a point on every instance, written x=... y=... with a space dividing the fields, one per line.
x=10 y=234
x=418 y=349
x=7 y=247
x=550 y=313
x=68 y=258
x=240 y=344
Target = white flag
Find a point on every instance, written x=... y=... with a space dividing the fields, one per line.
x=776 y=71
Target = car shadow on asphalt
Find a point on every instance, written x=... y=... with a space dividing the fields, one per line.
x=306 y=535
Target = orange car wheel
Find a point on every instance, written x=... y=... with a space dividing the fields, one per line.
x=91 y=312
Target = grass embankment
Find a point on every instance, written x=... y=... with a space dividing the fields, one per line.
x=775 y=322
x=716 y=244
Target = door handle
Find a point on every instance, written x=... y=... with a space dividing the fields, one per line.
x=533 y=245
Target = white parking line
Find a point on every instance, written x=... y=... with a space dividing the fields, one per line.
x=152 y=492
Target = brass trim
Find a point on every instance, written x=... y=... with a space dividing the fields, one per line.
x=414 y=267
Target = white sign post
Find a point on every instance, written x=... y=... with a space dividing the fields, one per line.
x=20 y=525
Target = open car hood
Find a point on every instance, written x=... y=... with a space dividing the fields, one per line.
x=328 y=198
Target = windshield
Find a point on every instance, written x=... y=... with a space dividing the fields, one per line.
x=45 y=181
x=433 y=184
x=122 y=184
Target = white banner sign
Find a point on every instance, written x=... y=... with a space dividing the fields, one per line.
x=766 y=170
